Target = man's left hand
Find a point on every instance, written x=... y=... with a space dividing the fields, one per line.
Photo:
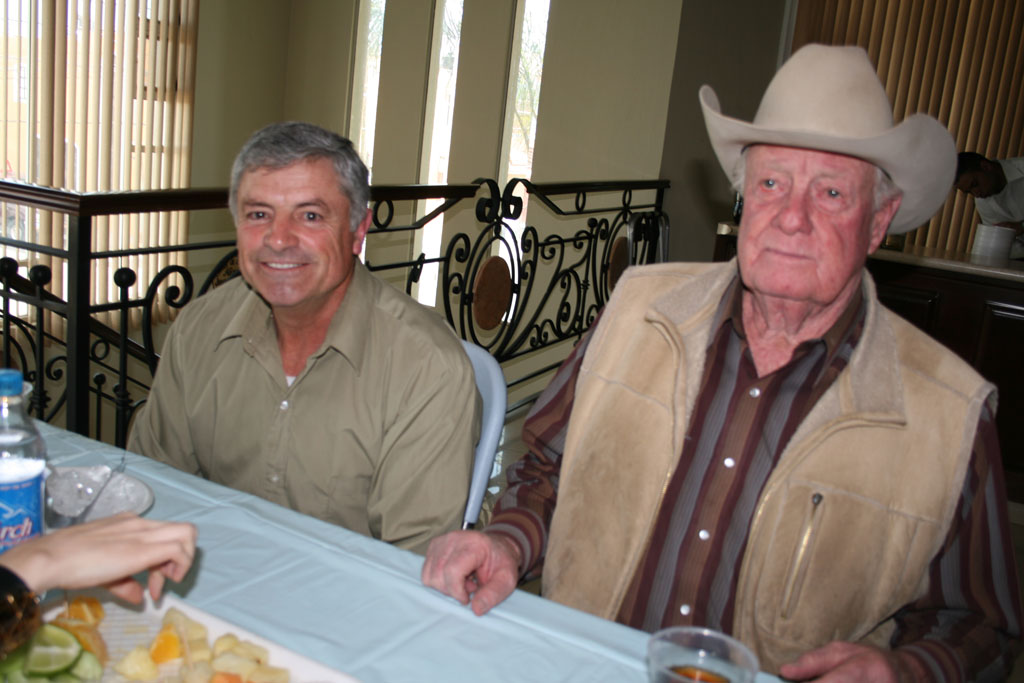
x=840 y=662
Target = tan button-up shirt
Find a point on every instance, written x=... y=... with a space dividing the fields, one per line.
x=376 y=434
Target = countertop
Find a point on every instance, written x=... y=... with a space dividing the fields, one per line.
x=929 y=257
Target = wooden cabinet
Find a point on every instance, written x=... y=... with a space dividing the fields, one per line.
x=979 y=314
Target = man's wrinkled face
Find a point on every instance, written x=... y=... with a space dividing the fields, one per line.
x=808 y=223
x=295 y=243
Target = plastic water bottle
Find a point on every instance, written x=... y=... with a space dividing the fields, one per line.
x=22 y=466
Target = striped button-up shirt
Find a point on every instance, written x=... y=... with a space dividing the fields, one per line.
x=962 y=626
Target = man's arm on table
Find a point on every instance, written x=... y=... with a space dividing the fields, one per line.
x=487 y=565
x=419 y=490
x=967 y=626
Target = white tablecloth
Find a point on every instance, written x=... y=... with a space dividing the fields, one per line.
x=356 y=604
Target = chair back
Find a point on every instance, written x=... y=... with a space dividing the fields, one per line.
x=490 y=382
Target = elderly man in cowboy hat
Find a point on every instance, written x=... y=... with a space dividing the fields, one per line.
x=760 y=447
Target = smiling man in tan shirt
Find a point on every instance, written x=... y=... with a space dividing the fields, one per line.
x=310 y=382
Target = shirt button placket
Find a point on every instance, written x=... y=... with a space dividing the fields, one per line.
x=274 y=475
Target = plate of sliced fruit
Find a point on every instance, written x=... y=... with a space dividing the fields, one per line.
x=93 y=638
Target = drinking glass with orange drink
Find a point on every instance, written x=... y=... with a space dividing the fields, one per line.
x=689 y=654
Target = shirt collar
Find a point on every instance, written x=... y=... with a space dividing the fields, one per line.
x=254 y=322
x=347 y=333
x=731 y=310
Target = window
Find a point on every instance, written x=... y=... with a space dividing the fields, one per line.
x=448 y=30
x=524 y=98
x=525 y=61
x=97 y=96
x=367 y=78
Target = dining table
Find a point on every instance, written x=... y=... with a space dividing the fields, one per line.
x=356 y=604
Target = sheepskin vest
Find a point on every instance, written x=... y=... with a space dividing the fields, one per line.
x=849 y=520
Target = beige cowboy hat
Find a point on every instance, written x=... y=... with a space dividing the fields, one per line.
x=830 y=99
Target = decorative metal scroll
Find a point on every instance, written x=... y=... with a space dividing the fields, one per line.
x=547 y=288
x=558 y=282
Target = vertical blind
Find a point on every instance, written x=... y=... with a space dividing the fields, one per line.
x=97 y=96
x=962 y=61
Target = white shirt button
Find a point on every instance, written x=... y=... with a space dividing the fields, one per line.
x=729 y=462
x=274 y=478
x=284 y=404
x=755 y=392
x=704 y=534
x=684 y=610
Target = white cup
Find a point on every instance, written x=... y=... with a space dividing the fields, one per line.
x=993 y=241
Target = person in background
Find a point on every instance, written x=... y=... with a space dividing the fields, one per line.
x=998 y=190
x=105 y=553
x=308 y=381
x=995 y=185
x=759 y=446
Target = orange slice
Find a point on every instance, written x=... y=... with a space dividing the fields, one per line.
x=84 y=608
x=165 y=646
x=221 y=677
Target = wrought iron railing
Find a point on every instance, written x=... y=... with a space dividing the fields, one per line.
x=517 y=291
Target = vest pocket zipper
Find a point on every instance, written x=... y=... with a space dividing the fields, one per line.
x=798 y=569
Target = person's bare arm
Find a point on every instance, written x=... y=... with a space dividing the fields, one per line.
x=107 y=553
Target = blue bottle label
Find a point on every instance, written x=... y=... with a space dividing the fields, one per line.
x=21 y=511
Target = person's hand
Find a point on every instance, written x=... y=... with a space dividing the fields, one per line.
x=840 y=662
x=472 y=564
x=106 y=553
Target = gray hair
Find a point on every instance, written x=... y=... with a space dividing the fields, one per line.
x=283 y=144
x=885 y=189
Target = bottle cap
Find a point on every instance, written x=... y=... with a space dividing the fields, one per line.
x=10 y=382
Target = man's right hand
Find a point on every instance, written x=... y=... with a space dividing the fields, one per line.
x=472 y=565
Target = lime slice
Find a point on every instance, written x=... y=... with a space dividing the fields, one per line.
x=87 y=668
x=52 y=650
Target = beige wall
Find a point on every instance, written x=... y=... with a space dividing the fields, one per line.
x=240 y=79
x=261 y=61
x=733 y=45
x=242 y=60
x=482 y=82
x=604 y=98
x=321 y=50
x=401 y=97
